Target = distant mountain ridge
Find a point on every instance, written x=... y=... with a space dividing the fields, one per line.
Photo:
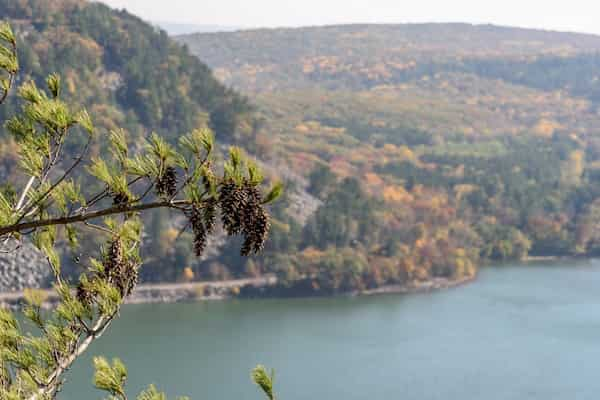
x=115 y=61
x=178 y=28
x=345 y=56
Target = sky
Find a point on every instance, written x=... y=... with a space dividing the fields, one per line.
x=563 y=15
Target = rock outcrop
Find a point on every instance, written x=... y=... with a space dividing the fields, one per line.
x=22 y=267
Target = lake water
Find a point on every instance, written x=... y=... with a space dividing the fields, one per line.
x=518 y=332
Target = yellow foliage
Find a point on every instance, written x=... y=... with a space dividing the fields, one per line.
x=302 y=128
x=420 y=243
x=373 y=180
x=169 y=236
x=281 y=226
x=308 y=68
x=546 y=128
x=312 y=254
x=396 y=194
x=461 y=190
x=460 y=252
x=389 y=148
x=188 y=274
x=421 y=274
x=70 y=84
x=405 y=153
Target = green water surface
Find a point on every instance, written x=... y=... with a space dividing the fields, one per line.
x=518 y=332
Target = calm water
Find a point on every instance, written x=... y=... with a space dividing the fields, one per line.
x=519 y=332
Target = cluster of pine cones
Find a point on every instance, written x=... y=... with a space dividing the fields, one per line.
x=121 y=273
x=243 y=213
x=118 y=271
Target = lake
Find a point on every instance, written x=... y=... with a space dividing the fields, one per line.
x=519 y=332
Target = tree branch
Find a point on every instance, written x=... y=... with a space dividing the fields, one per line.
x=94 y=333
x=77 y=161
x=85 y=217
x=102 y=195
x=24 y=194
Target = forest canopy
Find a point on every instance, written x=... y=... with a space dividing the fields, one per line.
x=410 y=152
x=434 y=147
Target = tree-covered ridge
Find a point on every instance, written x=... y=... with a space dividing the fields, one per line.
x=458 y=144
x=130 y=75
x=363 y=56
x=126 y=69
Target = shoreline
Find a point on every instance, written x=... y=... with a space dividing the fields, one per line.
x=189 y=292
x=434 y=284
x=168 y=293
x=160 y=292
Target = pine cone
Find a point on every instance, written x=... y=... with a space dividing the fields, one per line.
x=114 y=259
x=232 y=200
x=200 y=239
x=200 y=232
x=210 y=215
x=166 y=185
x=116 y=271
x=260 y=230
x=255 y=221
x=120 y=199
x=129 y=279
x=83 y=295
x=207 y=177
x=247 y=246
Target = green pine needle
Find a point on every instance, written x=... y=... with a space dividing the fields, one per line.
x=264 y=380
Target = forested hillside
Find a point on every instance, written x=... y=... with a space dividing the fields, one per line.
x=127 y=74
x=363 y=56
x=410 y=152
x=434 y=147
x=127 y=69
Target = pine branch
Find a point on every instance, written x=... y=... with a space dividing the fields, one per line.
x=11 y=74
x=24 y=194
x=53 y=382
x=103 y=195
x=120 y=209
x=5 y=92
x=41 y=198
x=80 y=319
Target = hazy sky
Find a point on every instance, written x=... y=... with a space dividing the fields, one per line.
x=569 y=15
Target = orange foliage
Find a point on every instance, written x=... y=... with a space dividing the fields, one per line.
x=396 y=194
x=341 y=167
x=373 y=180
x=312 y=254
x=546 y=128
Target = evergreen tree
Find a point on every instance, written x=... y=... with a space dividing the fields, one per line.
x=52 y=206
